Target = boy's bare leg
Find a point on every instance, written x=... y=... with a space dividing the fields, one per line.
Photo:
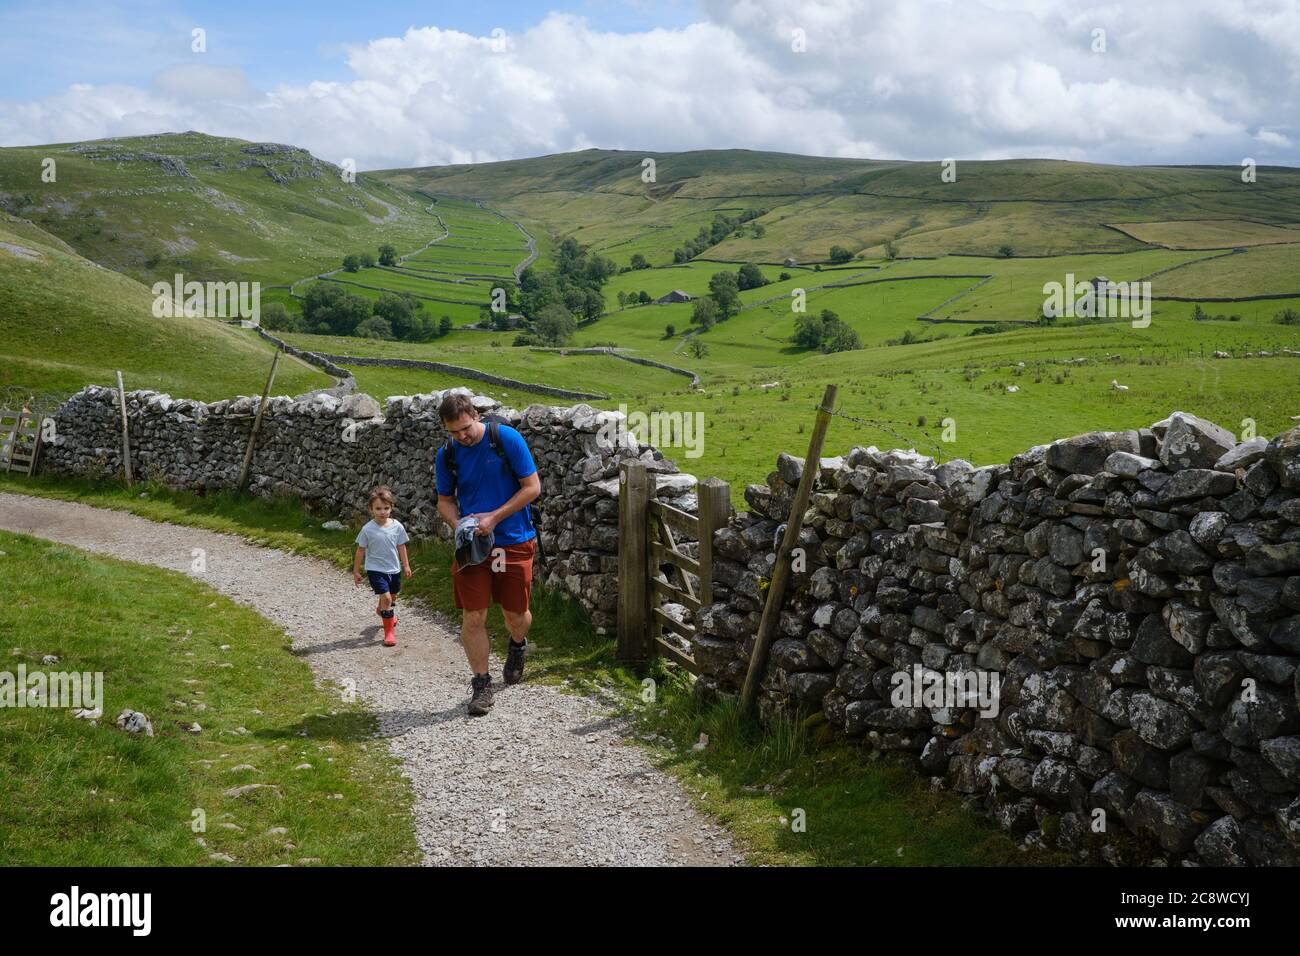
x=473 y=636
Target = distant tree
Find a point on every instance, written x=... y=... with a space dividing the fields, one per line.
x=644 y=297
x=891 y=249
x=1006 y=252
x=622 y=299
x=278 y=318
x=367 y=260
x=329 y=309
x=387 y=255
x=554 y=325
x=704 y=312
x=825 y=332
x=639 y=261
x=444 y=325
x=374 y=327
x=839 y=255
x=840 y=338
x=669 y=330
x=1285 y=317
x=817 y=267
x=784 y=277
x=352 y=263
x=759 y=230
x=405 y=317
x=725 y=293
x=750 y=276
x=697 y=347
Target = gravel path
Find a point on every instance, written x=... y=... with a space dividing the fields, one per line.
x=546 y=778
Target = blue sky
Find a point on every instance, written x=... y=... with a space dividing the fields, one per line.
x=47 y=46
x=407 y=84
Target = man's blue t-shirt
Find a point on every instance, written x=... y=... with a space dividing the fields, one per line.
x=484 y=483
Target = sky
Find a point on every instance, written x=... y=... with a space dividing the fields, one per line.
x=397 y=84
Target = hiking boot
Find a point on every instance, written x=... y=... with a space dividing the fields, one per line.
x=513 y=672
x=481 y=698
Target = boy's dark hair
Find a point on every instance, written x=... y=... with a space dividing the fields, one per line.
x=455 y=405
x=383 y=493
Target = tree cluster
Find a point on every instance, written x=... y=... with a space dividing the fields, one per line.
x=825 y=332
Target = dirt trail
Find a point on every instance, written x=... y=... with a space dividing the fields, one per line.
x=546 y=778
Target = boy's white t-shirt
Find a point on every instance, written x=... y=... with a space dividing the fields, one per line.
x=381 y=545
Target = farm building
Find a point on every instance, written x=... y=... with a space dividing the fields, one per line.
x=790 y=262
x=677 y=295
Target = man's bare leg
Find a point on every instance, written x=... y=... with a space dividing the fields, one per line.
x=474 y=638
x=518 y=624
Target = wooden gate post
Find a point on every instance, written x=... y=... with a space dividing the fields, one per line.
x=257 y=423
x=781 y=573
x=126 y=433
x=714 y=496
x=633 y=593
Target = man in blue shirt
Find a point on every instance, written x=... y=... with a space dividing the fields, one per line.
x=492 y=482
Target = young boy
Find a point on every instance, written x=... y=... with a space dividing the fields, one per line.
x=381 y=543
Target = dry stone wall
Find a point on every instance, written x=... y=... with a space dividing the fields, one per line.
x=1136 y=596
x=330 y=451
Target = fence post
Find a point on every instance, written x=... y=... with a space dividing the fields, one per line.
x=126 y=434
x=714 y=496
x=257 y=424
x=633 y=537
x=780 y=574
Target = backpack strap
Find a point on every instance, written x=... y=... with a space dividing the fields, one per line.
x=494 y=439
x=449 y=459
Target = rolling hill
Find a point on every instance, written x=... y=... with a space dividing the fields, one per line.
x=1038 y=207
x=66 y=322
x=206 y=206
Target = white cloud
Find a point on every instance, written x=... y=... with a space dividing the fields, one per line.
x=1179 y=81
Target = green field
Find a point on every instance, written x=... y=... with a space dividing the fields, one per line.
x=73 y=793
x=1258 y=271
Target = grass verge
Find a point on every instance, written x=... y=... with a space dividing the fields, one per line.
x=73 y=792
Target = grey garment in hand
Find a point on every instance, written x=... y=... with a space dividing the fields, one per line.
x=471 y=547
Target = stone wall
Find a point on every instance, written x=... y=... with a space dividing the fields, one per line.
x=1135 y=594
x=330 y=451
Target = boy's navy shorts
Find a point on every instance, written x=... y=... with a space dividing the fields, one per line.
x=384 y=583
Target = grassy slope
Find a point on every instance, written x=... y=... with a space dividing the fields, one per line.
x=76 y=794
x=217 y=222
x=65 y=322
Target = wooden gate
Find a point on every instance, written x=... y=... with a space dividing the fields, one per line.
x=653 y=569
x=20 y=440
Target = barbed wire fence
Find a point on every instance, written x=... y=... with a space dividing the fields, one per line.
x=887 y=428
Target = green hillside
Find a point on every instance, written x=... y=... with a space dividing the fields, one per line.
x=1039 y=207
x=205 y=206
x=66 y=322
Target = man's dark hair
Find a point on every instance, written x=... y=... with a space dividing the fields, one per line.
x=455 y=405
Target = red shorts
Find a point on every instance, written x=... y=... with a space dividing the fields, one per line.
x=511 y=585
